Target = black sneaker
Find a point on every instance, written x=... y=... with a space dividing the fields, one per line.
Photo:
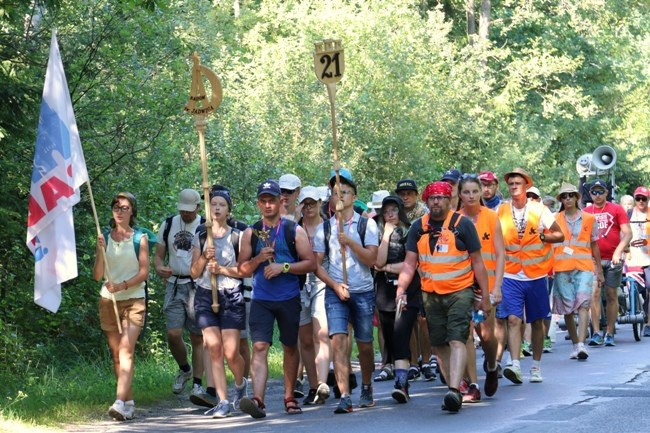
x=297 y=389
x=312 y=395
x=428 y=372
x=453 y=401
x=400 y=393
x=413 y=373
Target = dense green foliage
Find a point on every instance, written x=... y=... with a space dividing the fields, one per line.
x=555 y=80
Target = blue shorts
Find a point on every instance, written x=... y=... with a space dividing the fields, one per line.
x=265 y=313
x=232 y=309
x=531 y=295
x=358 y=310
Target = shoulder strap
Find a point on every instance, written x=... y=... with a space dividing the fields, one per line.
x=361 y=229
x=453 y=223
x=168 y=227
x=327 y=230
x=256 y=227
x=290 y=237
x=202 y=233
x=234 y=239
x=629 y=214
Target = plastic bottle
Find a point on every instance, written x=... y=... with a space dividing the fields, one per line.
x=478 y=316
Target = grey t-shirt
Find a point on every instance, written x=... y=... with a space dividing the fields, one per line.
x=179 y=244
x=225 y=255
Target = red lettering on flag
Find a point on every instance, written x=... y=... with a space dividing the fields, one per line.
x=35 y=212
x=53 y=189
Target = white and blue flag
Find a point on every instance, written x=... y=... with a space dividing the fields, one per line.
x=59 y=171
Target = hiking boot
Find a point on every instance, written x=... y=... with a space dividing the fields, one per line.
x=222 y=410
x=413 y=373
x=513 y=374
x=526 y=349
x=199 y=397
x=311 y=397
x=117 y=411
x=596 y=340
x=344 y=406
x=453 y=401
x=240 y=392
x=129 y=408
x=366 y=399
x=535 y=375
x=400 y=392
x=473 y=394
x=323 y=393
x=297 y=389
x=491 y=382
x=609 y=340
x=429 y=372
x=181 y=380
x=548 y=345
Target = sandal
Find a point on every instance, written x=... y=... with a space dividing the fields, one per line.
x=253 y=406
x=385 y=374
x=291 y=406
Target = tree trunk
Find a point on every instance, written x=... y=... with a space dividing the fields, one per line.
x=484 y=21
x=470 y=7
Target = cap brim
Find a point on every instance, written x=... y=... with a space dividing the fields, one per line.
x=186 y=207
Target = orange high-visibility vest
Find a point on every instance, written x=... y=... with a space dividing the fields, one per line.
x=486 y=224
x=581 y=257
x=447 y=269
x=528 y=253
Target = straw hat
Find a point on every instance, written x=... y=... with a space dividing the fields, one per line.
x=519 y=172
x=567 y=187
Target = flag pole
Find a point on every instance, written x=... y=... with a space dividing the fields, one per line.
x=329 y=65
x=107 y=271
x=200 y=107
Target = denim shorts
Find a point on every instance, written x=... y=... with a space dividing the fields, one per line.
x=359 y=310
x=448 y=316
x=232 y=309
x=179 y=307
x=531 y=295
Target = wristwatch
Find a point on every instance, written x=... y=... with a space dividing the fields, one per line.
x=542 y=237
x=285 y=268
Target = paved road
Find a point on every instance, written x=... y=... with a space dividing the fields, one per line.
x=610 y=392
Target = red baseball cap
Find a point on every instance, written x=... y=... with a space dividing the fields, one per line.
x=488 y=176
x=642 y=190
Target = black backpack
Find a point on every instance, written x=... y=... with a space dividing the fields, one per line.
x=290 y=239
x=361 y=229
x=168 y=227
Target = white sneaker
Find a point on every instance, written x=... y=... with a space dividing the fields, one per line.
x=117 y=411
x=129 y=406
x=181 y=380
x=582 y=353
x=240 y=392
x=535 y=375
x=574 y=354
x=513 y=374
x=222 y=410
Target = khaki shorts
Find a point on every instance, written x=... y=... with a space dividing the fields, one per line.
x=131 y=310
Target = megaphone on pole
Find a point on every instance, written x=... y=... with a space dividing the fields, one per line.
x=603 y=158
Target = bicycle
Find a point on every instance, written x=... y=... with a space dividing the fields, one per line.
x=630 y=306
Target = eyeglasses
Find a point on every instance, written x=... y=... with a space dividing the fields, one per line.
x=597 y=192
x=390 y=211
x=121 y=209
x=309 y=205
x=437 y=197
x=566 y=195
x=533 y=196
x=346 y=192
x=287 y=191
x=641 y=198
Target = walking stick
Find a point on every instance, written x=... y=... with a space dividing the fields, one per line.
x=107 y=271
x=329 y=65
x=199 y=106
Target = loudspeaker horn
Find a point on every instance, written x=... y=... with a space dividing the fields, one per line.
x=603 y=158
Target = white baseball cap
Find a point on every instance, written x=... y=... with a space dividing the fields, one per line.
x=289 y=181
x=188 y=200
x=308 y=192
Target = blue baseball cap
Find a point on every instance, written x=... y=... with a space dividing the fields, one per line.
x=345 y=176
x=598 y=183
x=452 y=175
x=269 y=186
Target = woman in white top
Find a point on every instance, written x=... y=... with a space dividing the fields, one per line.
x=127 y=256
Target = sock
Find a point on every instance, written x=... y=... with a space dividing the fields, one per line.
x=240 y=386
x=401 y=375
x=537 y=364
x=475 y=385
x=366 y=385
x=131 y=402
x=211 y=391
x=197 y=381
x=576 y=346
x=516 y=363
x=581 y=345
x=185 y=367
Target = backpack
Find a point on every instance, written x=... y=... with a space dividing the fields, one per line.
x=433 y=240
x=168 y=227
x=202 y=233
x=361 y=229
x=290 y=239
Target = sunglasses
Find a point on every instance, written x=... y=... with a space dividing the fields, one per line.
x=309 y=204
x=566 y=195
x=641 y=198
x=597 y=192
x=287 y=191
x=532 y=196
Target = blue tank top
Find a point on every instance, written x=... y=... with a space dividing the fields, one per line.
x=283 y=287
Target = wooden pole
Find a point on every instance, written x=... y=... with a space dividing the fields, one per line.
x=107 y=271
x=329 y=66
x=200 y=106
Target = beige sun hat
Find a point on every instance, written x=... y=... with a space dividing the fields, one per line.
x=567 y=187
x=519 y=172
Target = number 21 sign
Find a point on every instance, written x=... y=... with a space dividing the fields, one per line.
x=329 y=62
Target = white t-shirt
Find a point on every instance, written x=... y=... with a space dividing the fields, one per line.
x=179 y=244
x=639 y=256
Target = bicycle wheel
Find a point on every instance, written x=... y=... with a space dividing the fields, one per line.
x=637 y=327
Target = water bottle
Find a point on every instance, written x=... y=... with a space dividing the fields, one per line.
x=478 y=316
